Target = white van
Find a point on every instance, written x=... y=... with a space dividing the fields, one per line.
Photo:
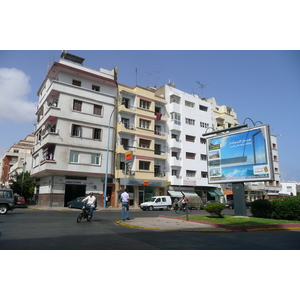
x=157 y=202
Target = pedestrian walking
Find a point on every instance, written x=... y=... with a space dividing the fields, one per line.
x=125 y=205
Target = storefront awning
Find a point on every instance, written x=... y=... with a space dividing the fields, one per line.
x=175 y=194
x=228 y=192
x=215 y=193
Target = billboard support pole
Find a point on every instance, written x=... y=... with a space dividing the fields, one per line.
x=239 y=199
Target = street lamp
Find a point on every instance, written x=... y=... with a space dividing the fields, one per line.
x=107 y=154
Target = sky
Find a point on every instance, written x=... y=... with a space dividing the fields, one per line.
x=260 y=85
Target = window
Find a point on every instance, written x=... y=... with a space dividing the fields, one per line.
x=98 y=110
x=126 y=102
x=204 y=174
x=175 y=99
x=76 y=82
x=95 y=159
x=77 y=105
x=76 y=130
x=125 y=122
x=229 y=110
x=189 y=104
x=125 y=143
x=144 y=124
x=190 y=138
x=190 y=173
x=203 y=141
x=203 y=157
x=96 y=88
x=144 y=165
x=174 y=172
x=144 y=143
x=16 y=151
x=190 y=155
x=203 y=108
x=176 y=118
x=74 y=156
x=204 y=125
x=144 y=104
x=189 y=121
x=97 y=134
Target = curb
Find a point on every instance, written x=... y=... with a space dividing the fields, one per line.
x=249 y=228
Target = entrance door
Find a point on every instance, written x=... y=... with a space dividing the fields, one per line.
x=73 y=191
x=141 y=196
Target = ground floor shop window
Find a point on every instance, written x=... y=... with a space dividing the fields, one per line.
x=145 y=193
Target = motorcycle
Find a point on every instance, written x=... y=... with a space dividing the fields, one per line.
x=84 y=214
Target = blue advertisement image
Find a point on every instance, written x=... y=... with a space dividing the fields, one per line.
x=242 y=156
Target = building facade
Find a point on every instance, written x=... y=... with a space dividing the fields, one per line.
x=141 y=144
x=189 y=116
x=74 y=106
x=16 y=160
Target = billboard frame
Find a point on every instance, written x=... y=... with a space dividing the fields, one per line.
x=227 y=161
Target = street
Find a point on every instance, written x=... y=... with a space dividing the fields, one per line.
x=26 y=229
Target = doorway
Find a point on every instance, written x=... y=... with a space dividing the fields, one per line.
x=73 y=191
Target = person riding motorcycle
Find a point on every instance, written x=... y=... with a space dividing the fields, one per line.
x=90 y=202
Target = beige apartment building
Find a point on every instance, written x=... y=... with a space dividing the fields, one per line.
x=141 y=143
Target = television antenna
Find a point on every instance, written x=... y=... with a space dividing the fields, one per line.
x=201 y=85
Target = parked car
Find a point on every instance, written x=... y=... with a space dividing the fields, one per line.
x=7 y=200
x=211 y=201
x=76 y=203
x=20 y=201
x=157 y=202
x=230 y=204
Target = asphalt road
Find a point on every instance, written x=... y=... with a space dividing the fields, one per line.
x=25 y=229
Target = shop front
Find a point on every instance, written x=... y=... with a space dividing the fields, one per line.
x=142 y=190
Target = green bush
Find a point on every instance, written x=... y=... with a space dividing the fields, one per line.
x=286 y=208
x=282 y=208
x=261 y=209
x=215 y=208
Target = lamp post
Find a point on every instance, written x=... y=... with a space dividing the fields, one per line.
x=107 y=155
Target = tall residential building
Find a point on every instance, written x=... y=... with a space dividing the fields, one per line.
x=16 y=159
x=75 y=103
x=189 y=117
x=141 y=145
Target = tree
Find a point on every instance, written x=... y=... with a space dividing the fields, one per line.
x=23 y=185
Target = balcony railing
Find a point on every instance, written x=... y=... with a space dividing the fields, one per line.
x=160 y=174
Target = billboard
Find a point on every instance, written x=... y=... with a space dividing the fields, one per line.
x=239 y=156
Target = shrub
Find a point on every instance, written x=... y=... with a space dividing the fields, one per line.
x=282 y=208
x=215 y=208
x=261 y=209
x=286 y=208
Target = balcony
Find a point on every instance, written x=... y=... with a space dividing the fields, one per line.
x=174 y=161
x=175 y=144
x=175 y=125
x=126 y=128
x=161 y=154
x=160 y=135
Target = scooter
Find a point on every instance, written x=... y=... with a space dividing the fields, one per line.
x=84 y=214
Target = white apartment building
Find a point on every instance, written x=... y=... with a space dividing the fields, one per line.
x=75 y=104
x=188 y=118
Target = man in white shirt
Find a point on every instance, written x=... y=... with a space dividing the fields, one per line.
x=125 y=204
x=90 y=202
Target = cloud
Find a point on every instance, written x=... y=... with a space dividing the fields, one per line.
x=14 y=91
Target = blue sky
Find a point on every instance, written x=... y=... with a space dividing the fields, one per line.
x=261 y=85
